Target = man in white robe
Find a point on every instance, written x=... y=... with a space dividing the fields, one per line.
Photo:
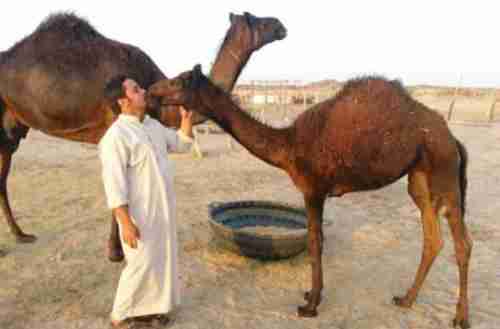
x=138 y=181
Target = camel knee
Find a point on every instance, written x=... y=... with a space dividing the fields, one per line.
x=439 y=245
x=432 y=247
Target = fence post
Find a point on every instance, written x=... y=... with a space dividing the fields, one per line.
x=452 y=104
x=450 y=109
x=304 y=96
x=491 y=114
x=266 y=91
x=284 y=109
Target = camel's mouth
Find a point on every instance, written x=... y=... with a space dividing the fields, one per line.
x=281 y=34
x=170 y=103
x=159 y=101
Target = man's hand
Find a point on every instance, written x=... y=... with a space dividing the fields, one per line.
x=186 y=122
x=130 y=232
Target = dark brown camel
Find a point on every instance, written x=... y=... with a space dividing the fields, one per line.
x=368 y=136
x=53 y=81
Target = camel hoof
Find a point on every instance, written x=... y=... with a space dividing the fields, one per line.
x=401 y=302
x=25 y=238
x=463 y=324
x=115 y=255
x=305 y=312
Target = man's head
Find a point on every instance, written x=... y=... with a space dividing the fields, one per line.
x=125 y=96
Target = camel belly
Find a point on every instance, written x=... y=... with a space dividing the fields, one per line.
x=86 y=135
x=87 y=127
x=369 y=168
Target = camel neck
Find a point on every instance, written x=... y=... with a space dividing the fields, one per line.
x=229 y=64
x=272 y=145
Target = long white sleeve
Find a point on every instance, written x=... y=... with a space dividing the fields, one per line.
x=114 y=157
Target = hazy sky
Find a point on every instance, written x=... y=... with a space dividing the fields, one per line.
x=420 y=42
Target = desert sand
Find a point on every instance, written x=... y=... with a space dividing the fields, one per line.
x=372 y=248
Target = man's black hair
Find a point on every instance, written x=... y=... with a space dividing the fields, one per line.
x=113 y=91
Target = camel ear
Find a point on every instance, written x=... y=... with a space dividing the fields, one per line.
x=197 y=77
x=251 y=19
x=232 y=18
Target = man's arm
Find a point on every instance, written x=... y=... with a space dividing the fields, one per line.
x=186 y=122
x=182 y=139
x=114 y=155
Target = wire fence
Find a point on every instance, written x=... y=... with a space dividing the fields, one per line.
x=279 y=102
x=460 y=104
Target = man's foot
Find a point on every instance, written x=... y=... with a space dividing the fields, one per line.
x=145 y=321
x=125 y=324
x=153 y=319
x=161 y=320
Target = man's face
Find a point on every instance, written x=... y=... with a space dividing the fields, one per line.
x=135 y=95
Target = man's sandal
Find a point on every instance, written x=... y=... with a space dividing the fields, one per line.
x=160 y=320
x=126 y=324
x=154 y=320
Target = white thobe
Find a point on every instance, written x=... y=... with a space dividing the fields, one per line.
x=136 y=172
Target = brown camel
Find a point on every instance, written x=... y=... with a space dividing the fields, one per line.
x=53 y=81
x=368 y=136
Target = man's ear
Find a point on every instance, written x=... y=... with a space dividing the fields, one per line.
x=122 y=102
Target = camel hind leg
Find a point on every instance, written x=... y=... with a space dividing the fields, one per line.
x=419 y=190
x=449 y=184
x=463 y=249
x=444 y=187
x=454 y=205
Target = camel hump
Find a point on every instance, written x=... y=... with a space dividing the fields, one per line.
x=67 y=25
x=56 y=31
x=372 y=82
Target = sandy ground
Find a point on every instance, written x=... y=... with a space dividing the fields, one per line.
x=372 y=248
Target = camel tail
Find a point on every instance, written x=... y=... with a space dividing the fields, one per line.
x=463 y=174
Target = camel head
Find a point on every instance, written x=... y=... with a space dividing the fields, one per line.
x=254 y=31
x=184 y=90
x=168 y=114
x=246 y=34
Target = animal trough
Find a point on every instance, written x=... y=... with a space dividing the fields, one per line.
x=259 y=229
